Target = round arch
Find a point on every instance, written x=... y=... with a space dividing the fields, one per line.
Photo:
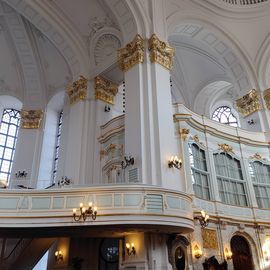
x=225 y=44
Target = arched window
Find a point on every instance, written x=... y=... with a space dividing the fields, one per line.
x=232 y=187
x=8 y=137
x=224 y=115
x=200 y=176
x=260 y=174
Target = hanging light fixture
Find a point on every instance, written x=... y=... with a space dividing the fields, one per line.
x=203 y=219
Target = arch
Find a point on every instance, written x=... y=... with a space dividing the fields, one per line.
x=223 y=43
x=242 y=252
x=58 y=30
x=7 y=101
x=263 y=64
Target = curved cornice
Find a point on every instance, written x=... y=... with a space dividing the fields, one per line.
x=58 y=30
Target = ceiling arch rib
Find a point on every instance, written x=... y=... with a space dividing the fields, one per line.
x=58 y=29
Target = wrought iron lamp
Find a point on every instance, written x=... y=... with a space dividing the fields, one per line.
x=203 y=219
x=175 y=162
x=130 y=249
x=84 y=213
x=128 y=161
x=58 y=255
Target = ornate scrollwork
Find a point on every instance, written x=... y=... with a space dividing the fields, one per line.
x=105 y=90
x=256 y=156
x=249 y=103
x=131 y=54
x=266 y=96
x=161 y=52
x=184 y=133
x=77 y=90
x=31 y=119
x=209 y=239
x=225 y=148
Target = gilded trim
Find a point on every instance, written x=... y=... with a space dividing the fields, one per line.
x=31 y=119
x=160 y=52
x=225 y=148
x=249 y=103
x=77 y=90
x=105 y=90
x=266 y=96
x=256 y=156
x=209 y=239
x=131 y=54
x=184 y=133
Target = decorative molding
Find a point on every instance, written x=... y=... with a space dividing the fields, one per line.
x=256 y=156
x=209 y=239
x=131 y=54
x=225 y=148
x=77 y=90
x=266 y=96
x=105 y=90
x=184 y=133
x=31 y=119
x=112 y=147
x=249 y=103
x=160 y=52
x=197 y=140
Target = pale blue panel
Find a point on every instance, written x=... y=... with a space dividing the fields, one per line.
x=41 y=203
x=132 y=199
x=173 y=202
x=117 y=200
x=9 y=203
x=24 y=203
x=58 y=203
x=74 y=202
x=104 y=200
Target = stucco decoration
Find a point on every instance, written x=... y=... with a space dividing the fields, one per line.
x=105 y=90
x=249 y=103
x=209 y=239
x=225 y=148
x=77 y=90
x=161 y=52
x=106 y=47
x=31 y=119
x=131 y=54
x=266 y=96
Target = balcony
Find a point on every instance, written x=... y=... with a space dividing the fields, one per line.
x=133 y=205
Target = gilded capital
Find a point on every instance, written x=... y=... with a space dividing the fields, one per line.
x=249 y=103
x=131 y=54
x=266 y=96
x=184 y=133
x=160 y=52
x=105 y=90
x=77 y=90
x=31 y=119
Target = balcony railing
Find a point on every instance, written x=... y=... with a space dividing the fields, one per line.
x=244 y=2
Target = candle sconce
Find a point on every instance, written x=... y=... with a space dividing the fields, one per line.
x=84 y=213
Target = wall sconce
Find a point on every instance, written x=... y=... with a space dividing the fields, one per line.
x=107 y=108
x=251 y=122
x=266 y=250
x=58 y=255
x=130 y=249
x=128 y=161
x=228 y=254
x=65 y=181
x=20 y=174
x=203 y=219
x=84 y=213
x=175 y=162
x=197 y=252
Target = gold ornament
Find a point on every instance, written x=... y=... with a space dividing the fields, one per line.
x=77 y=90
x=31 y=119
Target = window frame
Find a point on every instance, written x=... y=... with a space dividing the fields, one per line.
x=231 y=113
x=194 y=170
x=6 y=136
x=227 y=195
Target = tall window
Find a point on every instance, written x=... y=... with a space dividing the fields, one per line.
x=232 y=187
x=57 y=145
x=8 y=137
x=260 y=174
x=224 y=115
x=200 y=176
